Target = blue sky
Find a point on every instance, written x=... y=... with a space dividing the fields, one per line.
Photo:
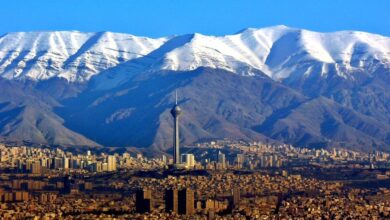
x=156 y=18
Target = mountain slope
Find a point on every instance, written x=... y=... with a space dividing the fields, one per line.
x=218 y=104
x=139 y=109
x=26 y=116
x=271 y=84
x=320 y=122
x=73 y=55
x=280 y=52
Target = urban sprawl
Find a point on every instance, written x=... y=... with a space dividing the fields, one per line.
x=219 y=180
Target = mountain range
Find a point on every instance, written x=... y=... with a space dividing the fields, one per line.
x=274 y=84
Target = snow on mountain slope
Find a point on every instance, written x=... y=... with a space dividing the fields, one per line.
x=278 y=51
x=72 y=55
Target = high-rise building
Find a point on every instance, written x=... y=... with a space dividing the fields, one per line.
x=186 y=202
x=188 y=160
x=236 y=196
x=176 y=111
x=104 y=167
x=96 y=166
x=111 y=163
x=67 y=184
x=57 y=163
x=240 y=159
x=46 y=162
x=180 y=201
x=65 y=163
x=222 y=160
x=171 y=201
x=143 y=201
x=164 y=159
x=36 y=168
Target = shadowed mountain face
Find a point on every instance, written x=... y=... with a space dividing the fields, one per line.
x=27 y=117
x=322 y=122
x=216 y=104
x=368 y=95
x=275 y=84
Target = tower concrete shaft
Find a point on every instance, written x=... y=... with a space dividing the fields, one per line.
x=176 y=141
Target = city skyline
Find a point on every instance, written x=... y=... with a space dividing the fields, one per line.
x=227 y=185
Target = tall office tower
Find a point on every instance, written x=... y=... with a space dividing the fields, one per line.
x=240 y=159
x=67 y=184
x=188 y=160
x=65 y=163
x=28 y=165
x=143 y=201
x=176 y=111
x=186 y=202
x=111 y=163
x=57 y=163
x=75 y=163
x=45 y=162
x=164 y=159
x=236 y=196
x=104 y=167
x=171 y=201
x=180 y=201
x=36 y=168
x=222 y=160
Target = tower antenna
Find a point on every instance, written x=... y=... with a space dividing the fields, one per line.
x=176 y=97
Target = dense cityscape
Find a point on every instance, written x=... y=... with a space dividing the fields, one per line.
x=220 y=179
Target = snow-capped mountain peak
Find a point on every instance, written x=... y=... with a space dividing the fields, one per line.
x=72 y=55
x=278 y=51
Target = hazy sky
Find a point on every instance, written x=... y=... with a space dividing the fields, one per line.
x=168 y=17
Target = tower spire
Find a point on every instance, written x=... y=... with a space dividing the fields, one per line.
x=176 y=97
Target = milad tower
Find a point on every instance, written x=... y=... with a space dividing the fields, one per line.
x=176 y=111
